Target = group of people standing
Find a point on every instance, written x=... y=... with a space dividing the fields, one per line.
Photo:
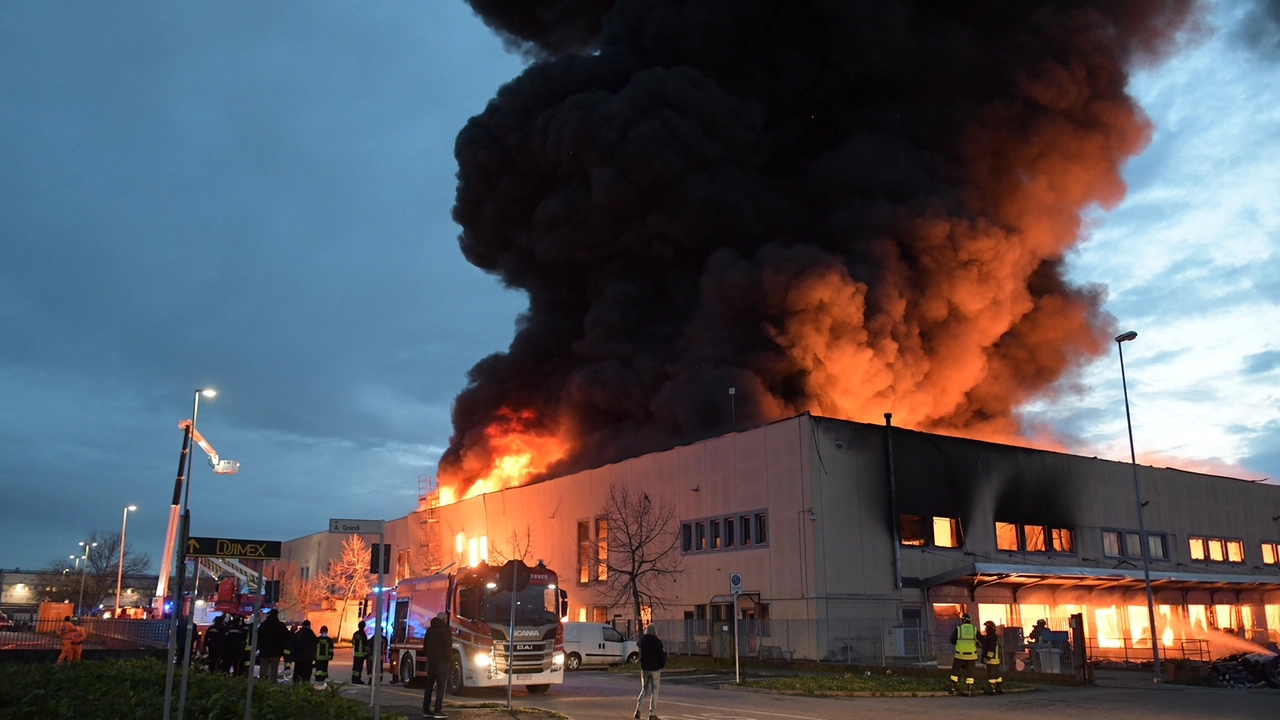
x=969 y=647
x=228 y=644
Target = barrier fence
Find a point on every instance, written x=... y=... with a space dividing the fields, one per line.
x=109 y=634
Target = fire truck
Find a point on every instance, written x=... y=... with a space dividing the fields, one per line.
x=478 y=602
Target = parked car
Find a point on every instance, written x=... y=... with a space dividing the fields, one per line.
x=599 y=644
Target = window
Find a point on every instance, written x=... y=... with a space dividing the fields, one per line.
x=1034 y=536
x=762 y=526
x=582 y=614
x=602 y=549
x=599 y=614
x=584 y=552
x=1270 y=553
x=1133 y=545
x=686 y=537
x=1197 y=548
x=1111 y=543
x=611 y=635
x=911 y=530
x=1156 y=548
x=715 y=534
x=1063 y=541
x=1007 y=537
x=724 y=533
x=728 y=532
x=701 y=530
x=946 y=532
x=1235 y=551
x=745 y=521
x=1217 y=550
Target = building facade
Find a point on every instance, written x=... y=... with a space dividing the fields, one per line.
x=847 y=555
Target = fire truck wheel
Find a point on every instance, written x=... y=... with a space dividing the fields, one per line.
x=536 y=689
x=455 y=684
x=408 y=677
x=572 y=661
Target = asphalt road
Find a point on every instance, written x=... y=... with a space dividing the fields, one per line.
x=597 y=695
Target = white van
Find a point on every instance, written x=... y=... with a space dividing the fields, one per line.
x=588 y=643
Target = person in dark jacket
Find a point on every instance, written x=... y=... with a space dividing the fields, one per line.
x=653 y=657
x=359 y=654
x=215 y=640
x=990 y=650
x=233 y=647
x=302 y=648
x=272 y=638
x=324 y=653
x=438 y=647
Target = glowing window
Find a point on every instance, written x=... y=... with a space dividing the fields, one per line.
x=1235 y=551
x=602 y=549
x=998 y=614
x=582 y=614
x=1197 y=548
x=1217 y=550
x=1063 y=540
x=1111 y=543
x=1108 y=628
x=584 y=552
x=1269 y=553
x=1034 y=537
x=946 y=532
x=1006 y=536
x=911 y=530
x=1224 y=616
x=473 y=552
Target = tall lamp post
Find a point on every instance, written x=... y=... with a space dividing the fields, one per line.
x=1121 y=339
x=124 y=524
x=181 y=560
x=84 y=571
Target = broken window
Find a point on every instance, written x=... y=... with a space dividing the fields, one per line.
x=1235 y=551
x=911 y=530
x=1197 y=548
x=946 y=532
x=1269 y=553
x=1007 y=536
x=1111 y=543
x=1063 y=541
x=1034 y=537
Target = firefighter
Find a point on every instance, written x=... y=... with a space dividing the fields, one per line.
x=965 y=640
x=991 y=657
x=359 y=653
x=233 y=646
x=324 y=653
x=302 y=647
x=215 y=640
x=66 y=631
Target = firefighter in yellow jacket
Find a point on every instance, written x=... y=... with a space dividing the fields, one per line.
x=965 y=640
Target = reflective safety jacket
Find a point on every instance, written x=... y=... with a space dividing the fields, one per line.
x=359 y=644
x=966 y=642
x=324 y=648
x=991 y=648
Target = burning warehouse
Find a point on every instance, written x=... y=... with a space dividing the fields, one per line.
x=842 y=559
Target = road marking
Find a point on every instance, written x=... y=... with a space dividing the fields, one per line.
x=732 y=710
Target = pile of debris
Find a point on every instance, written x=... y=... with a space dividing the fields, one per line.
x=1255 y=670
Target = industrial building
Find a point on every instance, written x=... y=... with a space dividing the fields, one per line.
x=860 y=542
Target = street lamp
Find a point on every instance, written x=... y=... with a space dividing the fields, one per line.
x=84 y=571
x=124 y=524
x=1142 y=525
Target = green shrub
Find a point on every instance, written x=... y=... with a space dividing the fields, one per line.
x=132 y=689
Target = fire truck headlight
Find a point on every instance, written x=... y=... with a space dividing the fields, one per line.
x=558 y=658
x=482 y=659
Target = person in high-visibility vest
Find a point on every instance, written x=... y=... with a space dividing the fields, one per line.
x=77 y=638
x=965 y=640
x=991 y=658
x=359 y=651
x=324 y=653
x=66 y=633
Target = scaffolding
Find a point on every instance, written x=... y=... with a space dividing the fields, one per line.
x=429 y=522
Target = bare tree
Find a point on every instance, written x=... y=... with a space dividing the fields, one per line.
x=347 y=576
x=299 y=594
x=514 y=548
x=643 y=552
x=98 y=571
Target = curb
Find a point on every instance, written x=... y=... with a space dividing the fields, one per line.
x=853 y=693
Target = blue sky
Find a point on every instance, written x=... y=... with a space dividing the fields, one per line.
x=255 y=197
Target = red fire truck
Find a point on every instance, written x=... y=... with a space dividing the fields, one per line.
x=478 y=602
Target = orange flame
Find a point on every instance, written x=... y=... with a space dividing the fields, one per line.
x=517 y=447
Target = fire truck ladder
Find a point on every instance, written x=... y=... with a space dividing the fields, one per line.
x=220 y=566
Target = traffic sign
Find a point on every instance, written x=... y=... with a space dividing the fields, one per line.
x=237 y=549
x=735 y=583
x=355 y=527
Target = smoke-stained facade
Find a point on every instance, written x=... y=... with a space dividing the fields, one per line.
x=838 y=207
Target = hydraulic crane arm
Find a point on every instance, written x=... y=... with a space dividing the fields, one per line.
x=221 y=467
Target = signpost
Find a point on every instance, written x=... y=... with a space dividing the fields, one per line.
x=735 y=589
x=234 y=549
x=369 y=527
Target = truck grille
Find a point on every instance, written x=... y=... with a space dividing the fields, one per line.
x=531 y=656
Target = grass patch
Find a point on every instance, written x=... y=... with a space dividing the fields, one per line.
x=134 y=689
x=818 y=684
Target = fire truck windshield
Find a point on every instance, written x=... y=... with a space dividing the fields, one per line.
x=536 y=604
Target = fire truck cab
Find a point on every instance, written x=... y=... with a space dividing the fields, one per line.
x=478 y=601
